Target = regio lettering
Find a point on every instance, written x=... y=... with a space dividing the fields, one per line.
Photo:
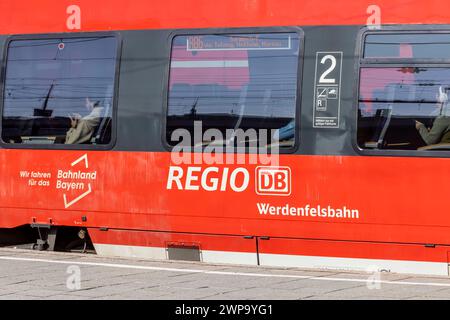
x=208 y=179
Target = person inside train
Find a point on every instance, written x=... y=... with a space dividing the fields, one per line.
x=83 y=128
x=440 y=131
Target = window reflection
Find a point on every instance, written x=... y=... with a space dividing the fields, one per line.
x=394 y=101
x=234 y=82
x=59 y=91
x=408 y=46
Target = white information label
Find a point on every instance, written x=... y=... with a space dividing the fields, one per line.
x=327 y=90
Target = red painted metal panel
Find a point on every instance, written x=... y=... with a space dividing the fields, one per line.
x=164 y=239
x=393 y=204
x=42 y=16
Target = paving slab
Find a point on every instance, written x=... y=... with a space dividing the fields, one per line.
x=30 y=275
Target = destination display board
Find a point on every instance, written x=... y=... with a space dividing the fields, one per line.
x=239 y=42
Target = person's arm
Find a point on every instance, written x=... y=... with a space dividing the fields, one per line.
x=73 y=135
x=82 y=133
x=433 y=135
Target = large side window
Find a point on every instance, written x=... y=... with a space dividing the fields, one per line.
x=404 y=94
x=59 y=91
x=234 y=81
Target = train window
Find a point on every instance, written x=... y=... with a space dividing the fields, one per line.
x=393 y=100
x=407 y=46
x=59 y=91
x=234 y=81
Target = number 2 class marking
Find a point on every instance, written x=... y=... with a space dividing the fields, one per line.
x=327 y=89
x=323 y=78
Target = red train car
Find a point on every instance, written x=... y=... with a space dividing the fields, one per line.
x=275 y=133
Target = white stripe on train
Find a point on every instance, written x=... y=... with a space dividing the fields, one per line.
x=281 y=260
x=223 y=273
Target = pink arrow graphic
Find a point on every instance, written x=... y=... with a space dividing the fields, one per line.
x=86 y=164
x=68 y=204
x=85 y=158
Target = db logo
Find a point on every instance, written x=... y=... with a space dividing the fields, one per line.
x=275 y=181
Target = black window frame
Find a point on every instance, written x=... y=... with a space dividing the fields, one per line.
x=231 y=31
x=87 y=147
x=362 y=62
